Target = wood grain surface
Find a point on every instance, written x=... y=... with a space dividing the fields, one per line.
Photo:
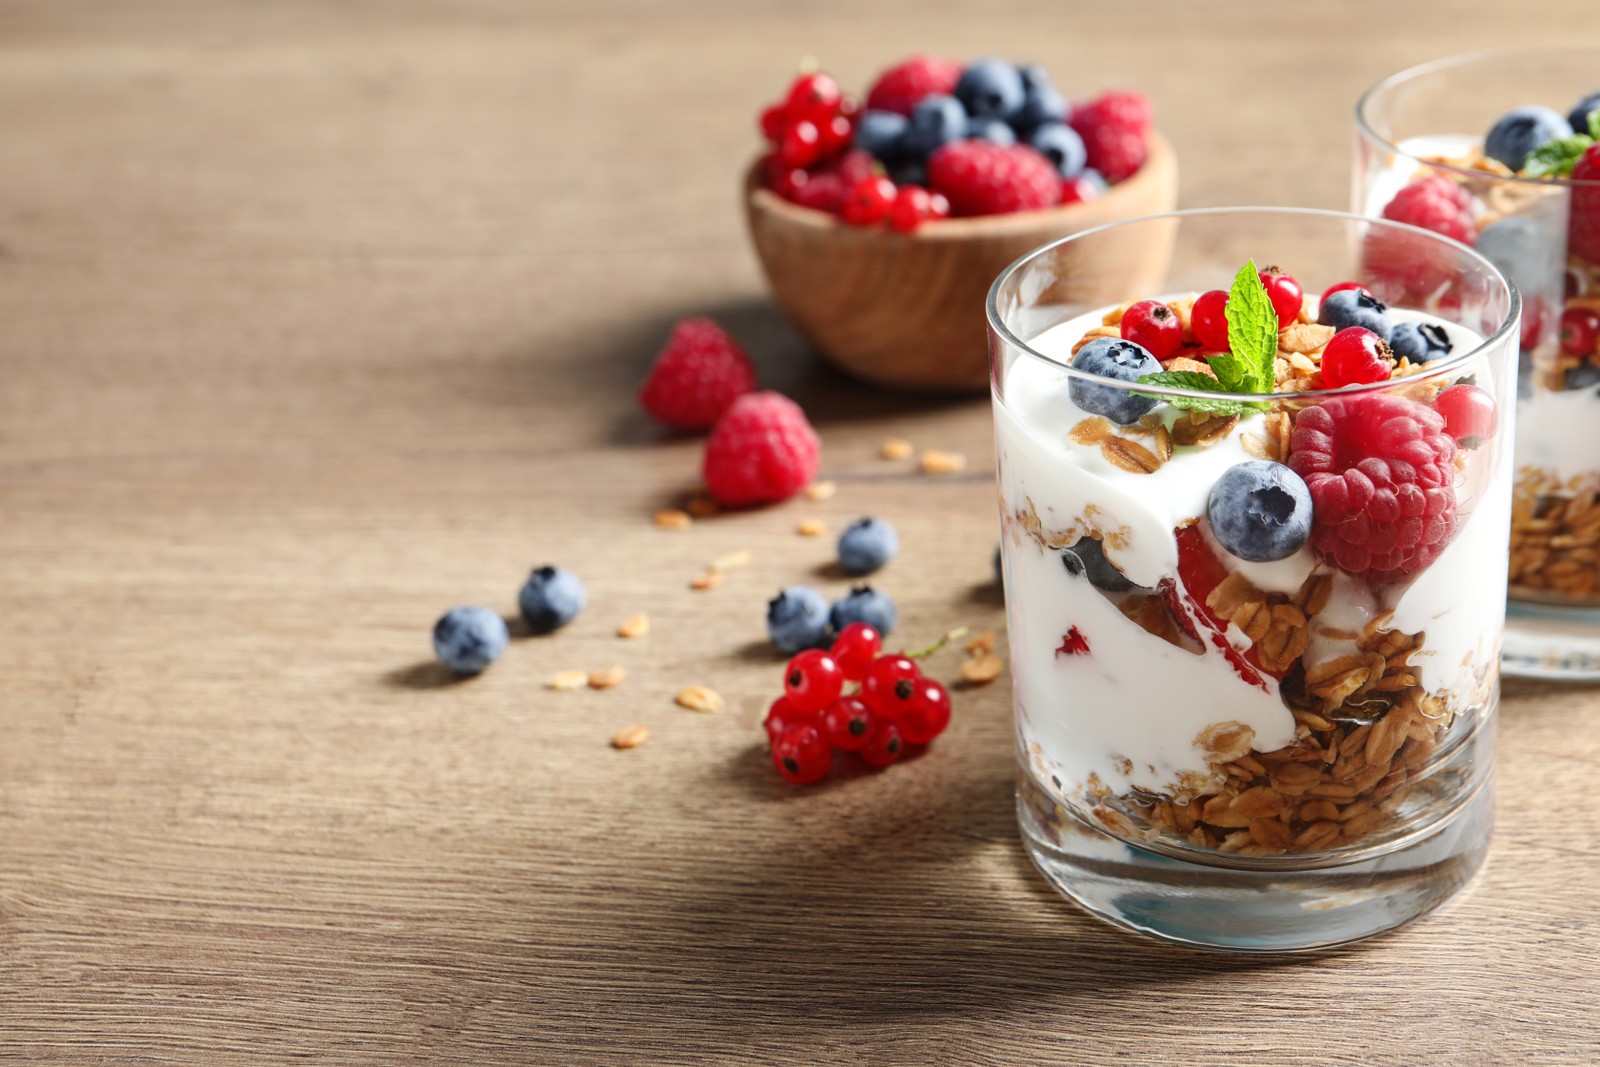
x=316 y=319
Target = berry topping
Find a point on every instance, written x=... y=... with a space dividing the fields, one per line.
x=979 y=178
x=1580 y=331
x=1520 y=131
x=902 y=87
x=1581 y=377
x=797 y=618
x=884 y=744
x=1356 y=307
x=870 y=201
x=551 y=598
x=890 y=685
x=1061 y=145
x=1209 y=319
x=855 y=648
x=1578 y=117
x=866 y=545
x=699 y=373
x=1285 y=294
x=1260 y=511
x=782 y=715
x=1073 y=643
x=1341 y=287
x=1420 y=342
x=1124 y=361
x=468 y=639
x=1356 y=356
x=802 y=754
x=928 y=714
x=1381 y=473
x=991 y=87
x=882 y=133
x=1435 y=203
x=1088 y=558
x=864 y=604
x=1583 y=222
x=1469 y=414
x=1154 y=327
x=812 y=681
x=762 y=450
x=847 y=723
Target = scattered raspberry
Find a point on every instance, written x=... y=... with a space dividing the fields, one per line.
x=1121 y=108
x=1583 y=226
x=1435 y=203
x=1073 y=643
x=983 y=178
x=761 y=451
x=699 y=373
x=900 y=88
x=1381 y=473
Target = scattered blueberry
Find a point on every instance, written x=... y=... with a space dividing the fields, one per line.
x=1419 y=342
x=1088 y=558
x=551 y=598
x=1121 y=361
x=1525 y=251
x=1043 y=103
x=866 y=545
x=989 y=128
x=1260 y=511
x=991 y=87
x=797 y=618
x=1582 y=376
x=1352 y=307
x=882 y=133
x=1061 y=145
x=864 y=604
x=1520 y=131
x=1578 y=117
x=935 y=121
x=468 y=639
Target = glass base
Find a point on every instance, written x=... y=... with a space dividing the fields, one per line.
x=1552 y=643
x=1256 y=911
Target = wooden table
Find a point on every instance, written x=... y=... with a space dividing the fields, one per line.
x=319 y=319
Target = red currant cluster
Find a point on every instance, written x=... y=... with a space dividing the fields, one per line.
x=811 y=124
x=893 y=706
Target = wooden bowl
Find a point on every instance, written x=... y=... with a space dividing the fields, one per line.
x=906 y=310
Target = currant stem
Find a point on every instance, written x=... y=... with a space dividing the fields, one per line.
x=924 y=653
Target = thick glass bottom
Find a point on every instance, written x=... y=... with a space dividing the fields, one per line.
x=1553 y=643
x=1253 y=911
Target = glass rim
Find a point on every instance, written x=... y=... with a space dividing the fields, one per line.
x=1364 y=127
x=1433 y=369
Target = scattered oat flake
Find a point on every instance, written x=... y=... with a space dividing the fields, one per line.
x=936 y=462
x=706 y=580
x=982 y=669
x=731 y=561
x=699 y=698
x=634 y=626
x=672 y=519
x=631 y=736
x=1073 y=643
x=984 y=642
x=566 y=681
x=811 y=528
x=895 y=448
x=607 y=677
x=820 y=490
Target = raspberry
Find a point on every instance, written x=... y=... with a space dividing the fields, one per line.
x=983 y=178
x=901 y=87
x=1382 y=478
x=761 y=451
x=1435 y=203
x=1583 y=226
x=699 y=372
x=1123 y=108
x=1113 y=127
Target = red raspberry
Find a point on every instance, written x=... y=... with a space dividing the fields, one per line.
x=1583 y=226
x=699 y=373
x=1113 y=128
x=761 y=451
x=1382 y=477
x=1122 y=108
x=983 y=178
x=1435 y=203
x=902 y=87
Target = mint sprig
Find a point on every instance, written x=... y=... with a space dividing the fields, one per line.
x=1555 y=159
x=1248 y=368
x=1193 y=379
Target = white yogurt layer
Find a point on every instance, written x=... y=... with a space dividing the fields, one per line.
x=1129 y=711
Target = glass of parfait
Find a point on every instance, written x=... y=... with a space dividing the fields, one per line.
x=1497 y=150
x=1252 y=569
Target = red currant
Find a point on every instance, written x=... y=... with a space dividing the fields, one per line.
x=846 y=724
x=811 y=681
x=801 y=754
x=1285 y=294
x=1532 y=324
x=783 y=715
x=890 y=685
x=800 y=145
x=1153 y=326
x=1469 y=413
x=815 y=97
x=870 y=201
x=1355 y=356
x=928 y=714
x=1580 y=329
x=884 y=744
x=774 y=120
x=1078 y=190
x=1209 y=317
x=855 y=648
x=833 y=135
x=912 y=205
x=782 y=178
x=1342 y=286
x=938 y=206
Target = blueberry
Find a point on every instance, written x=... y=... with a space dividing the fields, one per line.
x=1260 y=511
x=935 y=121
x=864 y=604
x=1096 y=179
x=909 y=172
x=1033 y=76
x=1582 y=376
x=1061 y=145
x=1526 y=252
x=988 y=128
x=1352 y=307
x=866 y=545
x=991 y=87
x=468 y=639
x=1088 y=558
x=551 y=598
x=797 y=618
x=1520 y=131
x=1123 y=361
x=1578 y=117
x=1043 y=103
x=882 y=133
x=1419 y=342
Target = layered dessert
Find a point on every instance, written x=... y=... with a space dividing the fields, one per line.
x=1526 y=194
x=1257 y=627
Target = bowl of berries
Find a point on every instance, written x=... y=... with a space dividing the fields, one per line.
x=881 y=225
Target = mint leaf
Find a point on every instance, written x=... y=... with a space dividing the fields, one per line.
x=1252 y=335
x=1193 y=379
x=1557 y=158
x=1594 y=124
